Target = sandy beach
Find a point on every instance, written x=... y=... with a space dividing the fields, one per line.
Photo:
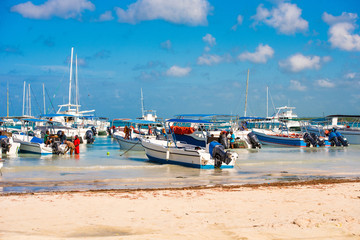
x=312 y=210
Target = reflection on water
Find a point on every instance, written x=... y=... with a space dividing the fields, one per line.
x=94 y=168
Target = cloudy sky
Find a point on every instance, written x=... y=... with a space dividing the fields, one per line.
x=188 y=56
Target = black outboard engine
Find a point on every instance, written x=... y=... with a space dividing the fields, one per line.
x=309 y=140
x=334 y=140
x=218 y=153
x=255 y=143
x=59 y=133
x=319 y=142
x=55 y=148
x=341 y=139
x=89 y=136
x=93 y=129
x=108 y=129
x=224 y=140
x=5 y=144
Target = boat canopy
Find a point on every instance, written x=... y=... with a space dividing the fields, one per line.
x=139 y=121
x=204 y=115
x=188 y=121
x=344 y=116
x=57 y=115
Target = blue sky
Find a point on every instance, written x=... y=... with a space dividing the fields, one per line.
x=188 y=56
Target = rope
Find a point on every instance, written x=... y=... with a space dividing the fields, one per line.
x=35 y=99
x=129 y=149
x=50 y=100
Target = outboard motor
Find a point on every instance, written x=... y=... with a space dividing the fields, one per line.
x=59 y=132
x=319 y=142
x=224 y=141
x=93 y=129
x=334 y=140
x=5 y=144
x=108 y=129
x=255 y=143
x=341 y=139
x=89 y=136
x=309 y=140
x=217 y=151
x=55 y=148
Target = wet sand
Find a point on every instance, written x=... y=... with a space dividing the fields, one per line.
x=322 y=209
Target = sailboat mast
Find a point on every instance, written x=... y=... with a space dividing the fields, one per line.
x=76 y=86
x=44 y=98
x=267 y=101
x=247 y=85
x=7 y=100
x=29 y=95
x=71 y=63
x=142 y=104
x=23 y=110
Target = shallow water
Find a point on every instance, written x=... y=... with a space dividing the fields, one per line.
x=94 y=169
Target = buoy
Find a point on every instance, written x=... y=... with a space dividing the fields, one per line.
x=108 y=153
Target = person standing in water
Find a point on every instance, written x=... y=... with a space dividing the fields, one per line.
x=77 y=144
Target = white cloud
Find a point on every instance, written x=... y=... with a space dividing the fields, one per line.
x=207 y=49
x=350 y=75
x=209 y=39
x=296 y=85
x=106 y=16
x=59 y=8
x=166 y=45
x=261 y=55
x=209 y=59
x=286 y=18
x=341 y=31
x=299 y=62
x=239 y=21
x=176 y=71
x=190 y=12
x=325 y=83
x=344 y=17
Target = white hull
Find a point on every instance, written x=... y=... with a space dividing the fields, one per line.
x=127 y=144
x=186 y=155
x=37 y=148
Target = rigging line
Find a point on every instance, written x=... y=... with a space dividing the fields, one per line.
x=272 y=102
x=47 y=94
x=36 y=100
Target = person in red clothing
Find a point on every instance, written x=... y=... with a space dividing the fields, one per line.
x=77 y=144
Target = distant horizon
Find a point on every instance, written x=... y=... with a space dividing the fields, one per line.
x=189 y=56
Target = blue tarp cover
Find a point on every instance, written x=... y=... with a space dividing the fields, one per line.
x=36 y=140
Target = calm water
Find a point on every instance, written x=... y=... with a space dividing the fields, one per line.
x=94 y=169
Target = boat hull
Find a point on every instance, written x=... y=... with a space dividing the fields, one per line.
x=36 y=148
x=266 y=138
x=159 y=153
x=129 y=144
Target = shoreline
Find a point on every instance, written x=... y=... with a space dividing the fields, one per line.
x=280 y=184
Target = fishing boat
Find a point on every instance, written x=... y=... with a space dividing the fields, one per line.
x=282 y=137
x=34 y=144
x=137 y=129
x=171 y=151
x=200 y=134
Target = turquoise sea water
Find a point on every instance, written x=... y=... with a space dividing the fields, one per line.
x=94 y=169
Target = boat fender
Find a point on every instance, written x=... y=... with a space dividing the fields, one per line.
x=167 y=155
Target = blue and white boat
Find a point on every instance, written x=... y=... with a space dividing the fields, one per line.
x=171 y=151
x=289 y=139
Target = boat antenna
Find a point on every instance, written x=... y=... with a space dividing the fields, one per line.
x=71 y=64
x=247 y=85
x=142 y=103
x=23 y=109
x=267 y=101
x=76 y=87
x=7 y=100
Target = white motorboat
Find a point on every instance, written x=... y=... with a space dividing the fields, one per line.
x=137 y=129
x=170 y=151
